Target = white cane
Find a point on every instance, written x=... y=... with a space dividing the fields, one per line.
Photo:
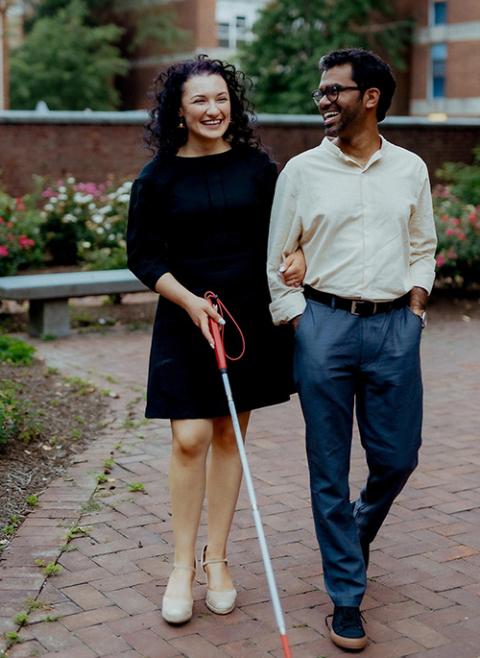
x=272 y=586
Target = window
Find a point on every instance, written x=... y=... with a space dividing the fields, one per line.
x=223 y=33
x=439 y=14
x=240 y=29
x=438 y=54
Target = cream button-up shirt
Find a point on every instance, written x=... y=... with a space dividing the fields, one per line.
x=367 y=231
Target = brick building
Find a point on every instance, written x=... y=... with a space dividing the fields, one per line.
x=441 y=78
x=196 y=20
x=445 y=58
x=442 y=75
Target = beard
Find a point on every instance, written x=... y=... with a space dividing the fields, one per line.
x=345 y=122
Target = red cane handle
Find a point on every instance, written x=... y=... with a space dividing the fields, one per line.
x=218 y=343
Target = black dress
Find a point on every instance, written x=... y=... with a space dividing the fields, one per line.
x=205 y=220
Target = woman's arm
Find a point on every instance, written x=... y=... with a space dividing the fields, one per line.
x=148 y=260
x=293 y=268
x=198 y=308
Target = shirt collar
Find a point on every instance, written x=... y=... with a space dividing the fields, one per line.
x=333 y=149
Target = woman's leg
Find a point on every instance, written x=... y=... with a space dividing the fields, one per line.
x=224 y=475
x=191 y=440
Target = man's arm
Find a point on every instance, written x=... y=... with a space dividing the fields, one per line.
x=423 y=243
x=284 y=238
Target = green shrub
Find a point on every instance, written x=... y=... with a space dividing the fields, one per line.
x=18 y=418
x=463 y=179
x=15 y=351
x=10 y=411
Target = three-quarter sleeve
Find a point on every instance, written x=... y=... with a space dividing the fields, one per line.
x=146 y=246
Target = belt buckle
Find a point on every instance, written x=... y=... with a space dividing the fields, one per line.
x=357 y=304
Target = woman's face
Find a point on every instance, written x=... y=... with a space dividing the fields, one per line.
x=205 y=107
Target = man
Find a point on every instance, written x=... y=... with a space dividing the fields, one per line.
x=360 y=208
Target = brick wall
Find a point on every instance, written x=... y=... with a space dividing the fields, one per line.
x=100 y=144
x=463 y=10
x=463 y=78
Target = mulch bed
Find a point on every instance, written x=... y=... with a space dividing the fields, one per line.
x=64 y=416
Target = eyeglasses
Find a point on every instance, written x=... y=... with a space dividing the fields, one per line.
x=332 y=92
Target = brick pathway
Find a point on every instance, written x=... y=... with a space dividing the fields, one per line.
x=423 y=597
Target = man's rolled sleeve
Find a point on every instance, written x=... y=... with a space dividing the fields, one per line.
x=423 y=237
x=284 y=238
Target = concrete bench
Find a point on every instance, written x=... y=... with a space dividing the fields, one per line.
x=48 y=295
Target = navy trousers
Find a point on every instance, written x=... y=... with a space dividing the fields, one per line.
x=372 y=364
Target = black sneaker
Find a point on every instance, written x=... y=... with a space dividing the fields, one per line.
x=347 y=628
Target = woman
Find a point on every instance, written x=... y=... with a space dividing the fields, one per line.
x=199 y=221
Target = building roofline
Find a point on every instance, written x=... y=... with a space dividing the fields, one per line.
x=139 y=117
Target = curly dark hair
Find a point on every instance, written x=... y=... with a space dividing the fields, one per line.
x=368 y=70
x=163 y=134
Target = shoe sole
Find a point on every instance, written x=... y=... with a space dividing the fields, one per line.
x=220 y=611
x=355 y=644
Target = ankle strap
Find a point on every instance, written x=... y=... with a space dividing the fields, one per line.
x=183 y=566
x=217 y=560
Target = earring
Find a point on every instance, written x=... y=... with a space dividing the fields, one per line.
x=181 y=123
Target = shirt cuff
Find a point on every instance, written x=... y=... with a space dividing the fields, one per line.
x=288 y=307
x=422 y=280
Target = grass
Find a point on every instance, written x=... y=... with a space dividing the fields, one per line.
x=12 y=525
x=136 y=486
x=18 y=418
x=76 y=531
x=32 y=500
x=12 y=637
x=79 y=385
x=50 y=569
x=90 y=506
x=15 y=351
x=21 y=618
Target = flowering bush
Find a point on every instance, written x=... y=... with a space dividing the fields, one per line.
x=82 y=220
x=107 y=225
x=20 y=243
x=458 y=231
x=457 y=216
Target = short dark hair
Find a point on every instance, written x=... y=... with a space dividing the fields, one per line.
x=368 y=70
x=163 y=133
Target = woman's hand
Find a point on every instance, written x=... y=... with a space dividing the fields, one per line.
x=200 y=310
x=293 y=268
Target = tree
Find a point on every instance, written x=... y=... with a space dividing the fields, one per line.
x=290 y=36
x=67 y=63
x=36 y=9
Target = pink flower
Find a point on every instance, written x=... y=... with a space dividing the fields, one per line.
x=20 y=204
x=451 y=254
x=3 y=250
x=461 y=235
x=441 y=260
x=450 y=231
x=472 y=218
x=25 y=242
x=455 y=221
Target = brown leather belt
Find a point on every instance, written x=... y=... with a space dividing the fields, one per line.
x=360 y=307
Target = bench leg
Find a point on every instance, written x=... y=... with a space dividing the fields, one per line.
x=49 y=318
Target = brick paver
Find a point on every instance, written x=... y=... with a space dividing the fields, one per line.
x=423 y=599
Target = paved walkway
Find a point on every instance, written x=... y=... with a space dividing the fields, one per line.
x=423 y=597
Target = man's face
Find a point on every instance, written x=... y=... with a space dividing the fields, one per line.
x=343 y=116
